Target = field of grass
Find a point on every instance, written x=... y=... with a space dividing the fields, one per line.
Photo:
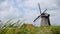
x=15 y=28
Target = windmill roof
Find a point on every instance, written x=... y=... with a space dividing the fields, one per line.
x=45 y=14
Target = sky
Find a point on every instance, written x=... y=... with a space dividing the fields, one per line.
x=28 y=10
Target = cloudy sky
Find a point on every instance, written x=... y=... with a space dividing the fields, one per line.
x=28 y=10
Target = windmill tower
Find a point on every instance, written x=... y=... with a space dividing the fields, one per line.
x=45 y=21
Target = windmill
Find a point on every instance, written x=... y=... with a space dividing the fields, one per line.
x=45 y=21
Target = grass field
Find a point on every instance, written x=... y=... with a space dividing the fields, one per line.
x=15 y=28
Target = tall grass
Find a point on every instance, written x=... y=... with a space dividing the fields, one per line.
x=11 y=24
x=16 y=28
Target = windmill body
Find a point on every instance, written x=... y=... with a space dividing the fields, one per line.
x=45 y=21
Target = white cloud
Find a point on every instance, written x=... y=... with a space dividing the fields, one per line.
x=30 y=8
x=7 y=10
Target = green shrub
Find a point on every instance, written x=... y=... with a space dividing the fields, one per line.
x=10 y=28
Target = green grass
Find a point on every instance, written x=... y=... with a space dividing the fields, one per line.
x=14 y=28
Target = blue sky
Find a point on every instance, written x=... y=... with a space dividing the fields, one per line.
x=28 y=10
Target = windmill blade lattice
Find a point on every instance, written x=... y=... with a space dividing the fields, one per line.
x=39 y=7
x=44 y=10
x=36 y=18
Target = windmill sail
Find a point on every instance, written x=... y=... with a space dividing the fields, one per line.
x=40 y=12
x=44 y=10
x=36 y=18
x=39 y=7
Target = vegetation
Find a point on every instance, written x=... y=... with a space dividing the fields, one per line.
x=16 y=28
